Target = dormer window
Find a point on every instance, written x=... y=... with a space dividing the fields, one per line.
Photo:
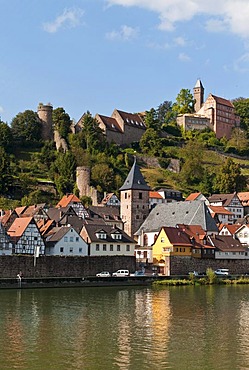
x=116 y=236
x=101 y=234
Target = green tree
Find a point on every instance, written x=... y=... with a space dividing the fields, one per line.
x=94 y=139
x=239 y=140
x=103 y=177
x=185 y=102
x=5 y=177
x=229 y=178
x=150 y=142
x=151 y=120
x=26 y=127
x=6 y=139
x=62 y=122
x=63 y=171
x=242 y=110
x=192 y=169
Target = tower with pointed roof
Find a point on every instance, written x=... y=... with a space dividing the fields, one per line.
x=134 y=200
x=198 y=95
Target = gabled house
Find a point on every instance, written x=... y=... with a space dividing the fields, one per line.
x=244 y=199
x=65 y=216
x=242 y=234
x=227 y=229
x=170 y=195
x=7 y=218
x=5 y=242
x=110 y=215
x=26 y=236
x=201 y=248
x=65 y=241
x=110 y=199
x=171 y=241
x=37 y=211
x=229 y=201
x=171 y=214
x=221 y=215
x=107 y=241
x=228 y=247
x=155 y=198
x=197 y=196
x=73 y=201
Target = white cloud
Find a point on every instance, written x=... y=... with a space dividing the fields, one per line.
x=70 y=18
x=228 y=15
x=242 y=63
x=180 y=41
x=184 y=57
x=125 y=33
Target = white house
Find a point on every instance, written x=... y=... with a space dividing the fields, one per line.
x=228 y=247
x=65 y=241
x=242 y=234
x=26 y=236
x=106 y=240
x=229 y=201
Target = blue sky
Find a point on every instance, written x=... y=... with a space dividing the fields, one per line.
x=131 y=55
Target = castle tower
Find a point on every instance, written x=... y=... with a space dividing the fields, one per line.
x=134 y=200
x=45 y=114
x=198 y=95
x=83 y=180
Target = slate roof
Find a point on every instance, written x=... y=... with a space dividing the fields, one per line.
x=199 y=83
x=227 y=243
x=170 y=214
x=135 y=180
x=108 y=229
x=57 y=233
x=132 y=119
x=224 y=198
x=105 y=212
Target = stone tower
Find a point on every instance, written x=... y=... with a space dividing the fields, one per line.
x=198 y=95
x=45 y=114
x=134 y=200
x=83 y=180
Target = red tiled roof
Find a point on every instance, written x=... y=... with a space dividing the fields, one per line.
x=67 y=199
x=155 y=194
x=219 y=210
x=19 y=226
x=244 y=198
x=223 y=101
x=193 y=196
x=231 y=228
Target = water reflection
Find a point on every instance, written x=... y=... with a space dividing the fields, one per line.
x=177 y=328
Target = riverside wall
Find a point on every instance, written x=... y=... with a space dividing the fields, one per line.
x=56 y=266
x=183 y=265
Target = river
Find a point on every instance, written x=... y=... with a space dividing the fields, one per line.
x=178 y=328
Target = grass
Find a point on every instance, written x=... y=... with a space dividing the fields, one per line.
x=201 y=281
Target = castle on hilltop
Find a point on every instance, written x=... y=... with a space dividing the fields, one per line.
x=216 y=113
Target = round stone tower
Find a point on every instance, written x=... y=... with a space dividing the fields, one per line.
x=45 y=114
x=83 y=180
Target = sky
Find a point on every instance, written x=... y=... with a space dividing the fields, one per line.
x=131 y=55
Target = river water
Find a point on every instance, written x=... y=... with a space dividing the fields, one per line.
x=180 y=328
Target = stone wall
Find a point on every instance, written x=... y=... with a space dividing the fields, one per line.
x=56 y=266
x=183 y=265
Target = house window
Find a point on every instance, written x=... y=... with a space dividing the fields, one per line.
x=140 y=195
x=111 y=247
x=125 y=195
x=104 y=247
x=176 y=249
x=80 y=250
x=97 y=247
x=71 y=250
x=71 y=239
x=61 y=249
x=65 y=239
x=128 y=248
x=118 y=248
x=137 y=217
x=77 y=239
x=162 y=240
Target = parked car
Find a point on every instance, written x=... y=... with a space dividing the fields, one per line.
x=222 y=272
x=121 y=273
x=138 y=273
x=103 y=274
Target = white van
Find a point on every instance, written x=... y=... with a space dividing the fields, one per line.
x=121 y=273
x=222 y=272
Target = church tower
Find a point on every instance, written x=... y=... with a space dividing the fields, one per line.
x=134 y=200
x=198 y=95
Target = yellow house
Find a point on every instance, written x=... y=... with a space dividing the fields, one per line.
x=171 y=241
